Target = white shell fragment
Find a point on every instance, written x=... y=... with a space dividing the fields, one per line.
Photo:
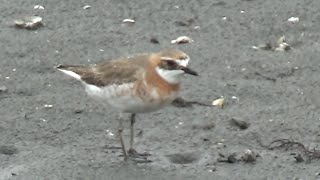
x=110 y=133
x=128 y=21
x=196 y=27
x=281 y=40
x=181 y=40
x=48 y=106
x=218 y=102
x=282 y=45
x=29 y=22
x=86 y=7
x=293 y=19
x=249 y=156
x=255 y=47
x=38 y=7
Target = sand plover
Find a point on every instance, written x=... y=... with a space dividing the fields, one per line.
x=138 y=84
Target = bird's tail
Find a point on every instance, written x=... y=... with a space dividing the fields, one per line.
x=75 y=71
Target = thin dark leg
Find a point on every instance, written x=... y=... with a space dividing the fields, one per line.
x=132 y=152
x=120 y=129
x=132 y=121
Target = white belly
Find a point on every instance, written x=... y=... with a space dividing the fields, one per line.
x=122 y=98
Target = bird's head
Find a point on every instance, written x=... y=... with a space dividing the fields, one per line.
x=172 y=65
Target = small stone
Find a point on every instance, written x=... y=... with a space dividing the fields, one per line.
x=249 y=156
x=3 y=89
x=299 y=158
x=154 y=40
x=78 y=111
x=8 y=150
x=229 y=159
x=232 y=158
x=241 y=124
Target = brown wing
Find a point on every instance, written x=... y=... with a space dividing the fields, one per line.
x=118 y=71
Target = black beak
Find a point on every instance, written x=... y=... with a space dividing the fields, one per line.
x=189 y=71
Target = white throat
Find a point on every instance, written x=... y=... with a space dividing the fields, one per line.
x=171 y=76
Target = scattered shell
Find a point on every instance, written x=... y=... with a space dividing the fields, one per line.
x=266 y=46
x=128 y=21
x=38 y=7
x=235 y=97
x=48 y=106
x=255 y=47
x=249 y=156
x=282 y=45
x=181 y=40
x=29 y=22
x=293 y=19
x=242 y=11
x=110 y=133
x=86 y=7
x=281 y=40
x=196 y=27
x=218 y=102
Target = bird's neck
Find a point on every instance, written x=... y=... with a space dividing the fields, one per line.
x=153 y=79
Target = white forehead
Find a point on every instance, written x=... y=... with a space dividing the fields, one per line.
x=184 y=62
x=180 y=62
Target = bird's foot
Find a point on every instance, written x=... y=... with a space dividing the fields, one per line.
x=138 y=157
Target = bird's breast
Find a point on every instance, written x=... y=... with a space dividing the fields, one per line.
x=131 y=97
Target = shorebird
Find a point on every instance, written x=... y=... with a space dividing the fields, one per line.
x=138 y=84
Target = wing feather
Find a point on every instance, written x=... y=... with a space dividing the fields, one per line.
x=119 y=71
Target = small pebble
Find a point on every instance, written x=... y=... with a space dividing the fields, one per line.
x=3 y=89
x=154 y=40
x=8 y=150
x=241 y=124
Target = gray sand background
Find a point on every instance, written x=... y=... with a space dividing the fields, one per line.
x=277 y=92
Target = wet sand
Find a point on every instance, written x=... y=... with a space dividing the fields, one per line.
x=277 y=93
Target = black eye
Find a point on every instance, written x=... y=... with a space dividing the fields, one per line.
x=171 y=63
